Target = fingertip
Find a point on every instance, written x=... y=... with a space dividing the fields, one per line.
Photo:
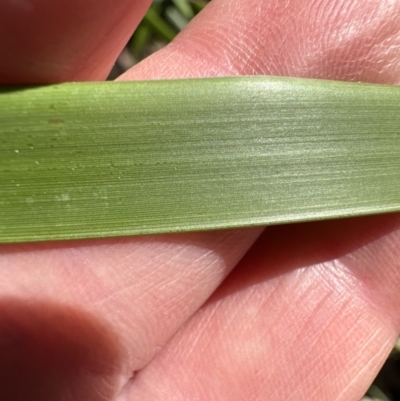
x=46 y=42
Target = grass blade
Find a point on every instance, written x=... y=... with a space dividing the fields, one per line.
x=110 y=159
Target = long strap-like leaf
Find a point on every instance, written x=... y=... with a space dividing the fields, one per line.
x=111 y=159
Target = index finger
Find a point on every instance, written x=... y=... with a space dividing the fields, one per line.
x=64 y=40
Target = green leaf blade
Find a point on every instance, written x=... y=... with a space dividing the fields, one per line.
x=111 y=159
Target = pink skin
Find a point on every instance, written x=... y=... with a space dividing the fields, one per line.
x=312 y=310
x=63 y=40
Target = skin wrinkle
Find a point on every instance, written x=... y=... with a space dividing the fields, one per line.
x=251 y=61
x=309 y=319
x=361 y=265
x=206 y=319
x=347 y=289
x=357 y=36
x=169 y=311
x=202 y=50
x=316 y=365
x=242 y=47
x=275 y=30
x=221 y=330
x=353 y=333
x=338 y=277
x=153 y=277
x=341 y=312
x=231 y=51
x=204 y=258
x=370 y=364
x=305 y=294
x=230 y=32
x=284 y=307
x=316 y=337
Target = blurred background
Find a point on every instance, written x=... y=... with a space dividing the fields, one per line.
x=164 y=20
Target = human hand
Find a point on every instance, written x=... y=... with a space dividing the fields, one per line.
x=311 y=311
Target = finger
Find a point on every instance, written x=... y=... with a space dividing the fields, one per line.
x=343 y=40
x=64 y=40
x=130 y=295
x=310 y=313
